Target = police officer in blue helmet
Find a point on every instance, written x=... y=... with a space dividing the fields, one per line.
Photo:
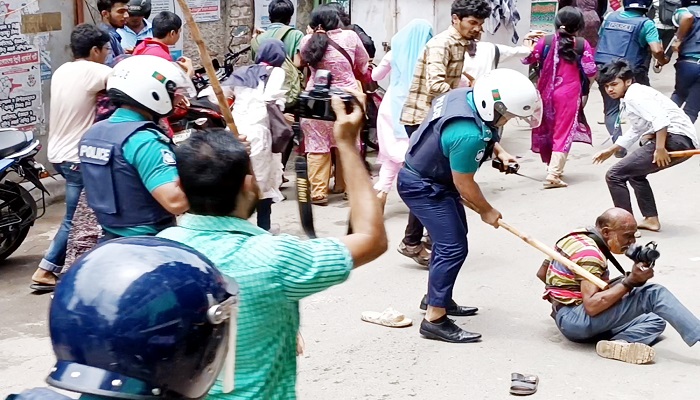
x=141 y=318
x=630 y=35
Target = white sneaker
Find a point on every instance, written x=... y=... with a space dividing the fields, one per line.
x=633 y=353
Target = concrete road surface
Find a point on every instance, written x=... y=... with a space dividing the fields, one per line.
x=349 y=359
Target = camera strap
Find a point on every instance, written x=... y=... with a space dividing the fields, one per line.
x=603 y=248
x=342 y=51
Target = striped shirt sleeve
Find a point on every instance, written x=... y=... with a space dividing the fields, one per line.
x=583 y=251
x=306 y=267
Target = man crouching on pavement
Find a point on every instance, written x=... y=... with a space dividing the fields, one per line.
x=627 y=317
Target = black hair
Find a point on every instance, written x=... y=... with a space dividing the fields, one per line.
x=479 y=9
x=107 y=5
x=84 y=37
x=281 y=11
x=324 y=18
x=164 y=23
x=344 y=16
x=212 y=165
x=568 y=22
x=613 y=70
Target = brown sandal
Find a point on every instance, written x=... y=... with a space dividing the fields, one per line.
x=319 y=201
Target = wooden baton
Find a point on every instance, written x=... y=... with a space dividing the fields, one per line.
x=208 y=66
x=684 y=153
x=575 y=268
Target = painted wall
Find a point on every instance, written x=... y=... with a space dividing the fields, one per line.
x=53 y=50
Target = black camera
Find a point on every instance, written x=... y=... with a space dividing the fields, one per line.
x=643 y=254
x=316 y=103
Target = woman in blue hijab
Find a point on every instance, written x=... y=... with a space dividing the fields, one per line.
x=406 y=46
x=254 y=87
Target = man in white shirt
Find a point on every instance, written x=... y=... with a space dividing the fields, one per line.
x=74 y=87
x=488 y=56
x=658 y=125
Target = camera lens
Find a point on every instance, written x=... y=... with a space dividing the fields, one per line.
x=649 y=255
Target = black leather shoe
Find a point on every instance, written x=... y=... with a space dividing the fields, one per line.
x=447 y=331
x=453 y=309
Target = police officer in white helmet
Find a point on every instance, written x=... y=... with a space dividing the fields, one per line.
x=128 y=168
x=459 y=133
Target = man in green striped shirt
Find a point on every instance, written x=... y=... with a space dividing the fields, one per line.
x=274 y=272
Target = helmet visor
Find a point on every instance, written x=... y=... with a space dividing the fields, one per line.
x=532 y=116
x=183 y=83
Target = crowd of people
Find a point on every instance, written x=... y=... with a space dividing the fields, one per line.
x=160 y=211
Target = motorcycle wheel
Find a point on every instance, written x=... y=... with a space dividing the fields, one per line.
x=19 y=201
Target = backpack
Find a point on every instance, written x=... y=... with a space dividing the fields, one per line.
x=666 y=10
x=579 y=46
x=293 y=77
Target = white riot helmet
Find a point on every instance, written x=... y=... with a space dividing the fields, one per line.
x=504 y=92
x=149 y=83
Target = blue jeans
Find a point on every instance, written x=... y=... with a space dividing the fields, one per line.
x=640 y=317
x=55 y=256
x=439 y=209
x=688 y=87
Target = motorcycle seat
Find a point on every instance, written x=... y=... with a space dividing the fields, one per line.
x=13 y=140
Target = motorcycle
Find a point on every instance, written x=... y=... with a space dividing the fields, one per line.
x=201 y=113
x=18 y=209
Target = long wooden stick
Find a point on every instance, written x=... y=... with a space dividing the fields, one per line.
x=208 y=66
x=684 y=153
x=575 y=268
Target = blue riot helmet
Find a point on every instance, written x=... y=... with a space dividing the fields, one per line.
x=142 y=318
x=644 y=5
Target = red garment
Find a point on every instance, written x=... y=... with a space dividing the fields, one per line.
x=153 y=47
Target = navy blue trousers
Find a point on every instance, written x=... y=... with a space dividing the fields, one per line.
x=440 y=210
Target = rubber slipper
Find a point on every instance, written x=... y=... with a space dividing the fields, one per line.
x=45 y=287
x=42 y=287
x=523 y=385
x=389 y=318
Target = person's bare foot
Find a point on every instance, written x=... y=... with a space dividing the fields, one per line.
x=650 y=224
x=44 y=277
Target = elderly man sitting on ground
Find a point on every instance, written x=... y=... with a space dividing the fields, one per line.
x=626 y=318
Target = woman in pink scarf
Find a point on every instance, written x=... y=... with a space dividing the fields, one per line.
x=563 y=74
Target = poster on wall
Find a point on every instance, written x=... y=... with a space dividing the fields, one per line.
x=543 y=15
x=172 y=6
x=262 y=17
x=205 y=10
x=20 y=71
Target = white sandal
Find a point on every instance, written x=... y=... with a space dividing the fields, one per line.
x=389 y=317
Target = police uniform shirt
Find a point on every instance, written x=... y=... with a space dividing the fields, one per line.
x=149 y=152
x=679 y=14
x=649 y=34
x=464 y=142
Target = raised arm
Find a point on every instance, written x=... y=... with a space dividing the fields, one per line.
x=368 y=240
x=382 y=70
